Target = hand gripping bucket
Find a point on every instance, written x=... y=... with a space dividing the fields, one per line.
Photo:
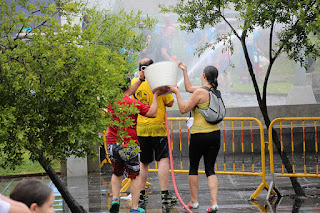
x=162 y=74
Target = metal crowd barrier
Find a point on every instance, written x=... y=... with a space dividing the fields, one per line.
x=299 y=144
x=240 y=139
x=242 y=143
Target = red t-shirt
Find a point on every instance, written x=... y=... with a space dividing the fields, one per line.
x=132 y=132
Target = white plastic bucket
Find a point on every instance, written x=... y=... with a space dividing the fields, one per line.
x=162 y=74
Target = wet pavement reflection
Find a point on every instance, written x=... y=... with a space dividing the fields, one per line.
x=93 y=192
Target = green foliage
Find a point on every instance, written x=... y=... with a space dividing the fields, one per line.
x=297 y=20
x=55 y=82
x=293 y=27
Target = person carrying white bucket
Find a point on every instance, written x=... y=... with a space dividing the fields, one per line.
x=152 y=136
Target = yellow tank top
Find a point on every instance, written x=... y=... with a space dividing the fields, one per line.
x=200 y=125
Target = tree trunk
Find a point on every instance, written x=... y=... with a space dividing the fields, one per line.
x=287 y=164
x=285 y=160
x=73 y=205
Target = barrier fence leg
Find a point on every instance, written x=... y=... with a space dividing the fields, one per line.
x=258 y=191
x=273 y=189
x=126 y=183
x=273 y=203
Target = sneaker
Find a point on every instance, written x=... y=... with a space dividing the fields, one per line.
x=138 y=210
x=193 y=205
x=114 y=207
x=143 y=198
x=213 y=208
x=168 y=198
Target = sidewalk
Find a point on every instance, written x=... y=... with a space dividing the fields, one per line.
x=94 y=194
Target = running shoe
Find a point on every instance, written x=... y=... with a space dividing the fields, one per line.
x=138 y=210
x=114 y=207
x=143 y=198
x=194 y=205
x=168 y=198
x=213 y=208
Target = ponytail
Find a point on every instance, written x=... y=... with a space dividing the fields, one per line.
x=212 y=73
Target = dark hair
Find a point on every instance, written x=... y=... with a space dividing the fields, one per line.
x=212 y=73
x=145 y=64
x=31 y=191
x=126 y=85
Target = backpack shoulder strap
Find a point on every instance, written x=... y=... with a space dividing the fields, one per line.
x=206 y=88
x=217 y=93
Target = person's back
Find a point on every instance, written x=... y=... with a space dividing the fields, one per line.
x=35 y=194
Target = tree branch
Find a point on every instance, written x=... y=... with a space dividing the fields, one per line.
x=292 y=34
x=271 y=61
x=232 y=28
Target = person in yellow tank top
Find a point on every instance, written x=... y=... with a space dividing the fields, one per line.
x=205 y=137
x=152 y=136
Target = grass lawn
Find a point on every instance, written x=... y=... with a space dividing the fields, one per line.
x=276 y=87
x=28 y=167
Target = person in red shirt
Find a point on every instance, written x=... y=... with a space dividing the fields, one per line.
x=124 y=158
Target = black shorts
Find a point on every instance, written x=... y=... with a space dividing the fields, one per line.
x=206 y=145
x=153 y=148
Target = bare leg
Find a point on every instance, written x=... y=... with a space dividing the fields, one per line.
x=164 y=173
x=213 y=188
x=143 y=175
x=193 y=184
x=116 y=185
x=135 y=191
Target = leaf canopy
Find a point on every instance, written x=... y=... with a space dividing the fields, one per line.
x=56 y=80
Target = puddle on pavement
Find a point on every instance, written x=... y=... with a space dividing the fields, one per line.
x=94 y=194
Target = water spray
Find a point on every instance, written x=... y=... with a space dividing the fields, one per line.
x=203 y=57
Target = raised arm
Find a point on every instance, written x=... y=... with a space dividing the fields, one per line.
x=195 y=98
x=136 y=84
x=187 y=82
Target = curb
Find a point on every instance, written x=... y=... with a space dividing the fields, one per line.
x=25 y=175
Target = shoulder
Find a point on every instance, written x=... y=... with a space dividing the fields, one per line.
x=200 y=92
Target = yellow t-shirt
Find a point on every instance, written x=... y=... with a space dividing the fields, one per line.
x=200 y=125
x=154 y=127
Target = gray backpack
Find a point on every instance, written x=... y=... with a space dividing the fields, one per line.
x=216 y=110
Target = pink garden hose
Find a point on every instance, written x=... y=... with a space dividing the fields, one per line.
x=172 y=169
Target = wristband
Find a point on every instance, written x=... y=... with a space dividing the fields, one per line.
x=142 y=80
